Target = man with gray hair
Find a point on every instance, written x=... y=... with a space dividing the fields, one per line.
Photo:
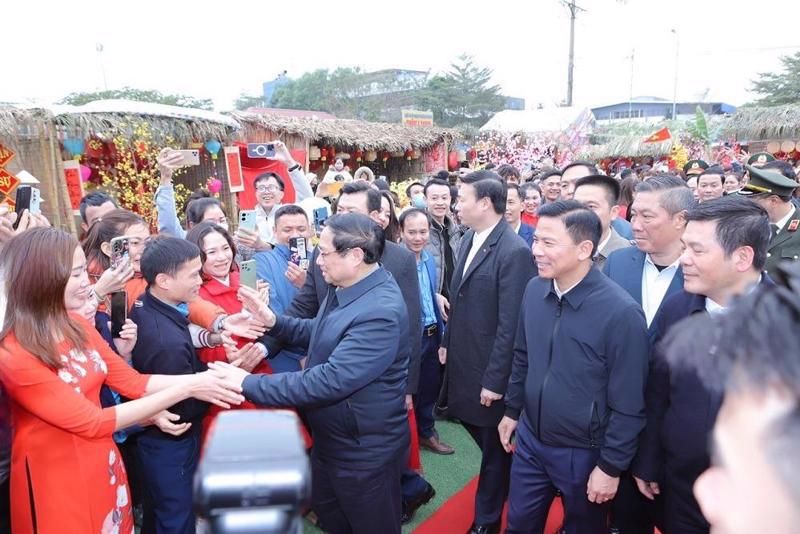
x=649 y=272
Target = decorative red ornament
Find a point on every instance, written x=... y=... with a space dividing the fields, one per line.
x=452 y=160
x=409 y=154
x=472 y=154
x=323 y=153
x=358 y=154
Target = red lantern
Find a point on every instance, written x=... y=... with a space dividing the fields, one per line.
x=409 y=154
x=358 y=153
x=452 y=160
x=323 y=153
x=385 y=156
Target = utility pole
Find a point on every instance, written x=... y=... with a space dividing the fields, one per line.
x=573 y=10
x=630 y=98
x=99 y=48
x=675 y=82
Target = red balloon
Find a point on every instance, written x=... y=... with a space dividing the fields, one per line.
x=452 y=161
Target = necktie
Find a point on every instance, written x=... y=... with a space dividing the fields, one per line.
x=773 y=230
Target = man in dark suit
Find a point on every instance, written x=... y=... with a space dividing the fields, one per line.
x=581 y=169
x=514 y=209
x=725 y=248
x=649 y=272
x=601 y=194
x=355 y=382
x=359 y=197
x=652 y=271
x=577 y=381
x=493 y=266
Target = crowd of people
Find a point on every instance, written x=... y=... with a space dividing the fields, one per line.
x=593 y=334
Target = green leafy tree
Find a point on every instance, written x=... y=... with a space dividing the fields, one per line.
x=780 y=88
x=246 y=101
x=464 y=95
x=128 y=93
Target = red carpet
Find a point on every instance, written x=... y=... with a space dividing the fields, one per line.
x=455 y=515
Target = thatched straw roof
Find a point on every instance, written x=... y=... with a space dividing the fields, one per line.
x=347 y=133
x=15 y=122
x=627 y=146
x=183 y=125
x=763 y=123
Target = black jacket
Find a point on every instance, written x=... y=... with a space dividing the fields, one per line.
x=400 y=262
x=354 y=385
x=484 y=307
x=681 y=411
x=164 y=347
x=580 y=365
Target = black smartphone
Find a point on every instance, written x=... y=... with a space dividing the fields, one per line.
x=23 y=201
x=298 y=252
x=119 y=312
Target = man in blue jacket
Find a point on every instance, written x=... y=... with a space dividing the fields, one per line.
x=354 y=386
x=283 y=276
x=576 y=393
x=164 y=346
x=725 y=250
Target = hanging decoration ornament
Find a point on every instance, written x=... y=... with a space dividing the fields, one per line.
x=75 y=146
x=214 y=186
x=213 y=147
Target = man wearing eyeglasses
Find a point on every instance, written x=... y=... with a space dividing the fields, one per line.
x=270 y=188
x=353 y=388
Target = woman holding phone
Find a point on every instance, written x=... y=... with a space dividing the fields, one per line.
x=127 y=275
x=67 y=475
x=221 y=284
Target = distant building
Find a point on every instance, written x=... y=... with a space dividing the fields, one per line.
x=270 y=87
x=651 y=108
x=517 y=104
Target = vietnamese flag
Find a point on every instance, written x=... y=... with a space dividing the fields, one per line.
x=661 y=135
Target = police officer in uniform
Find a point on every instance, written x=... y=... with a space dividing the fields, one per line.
x=759 y=159
x=773 y=192
x=694 y=167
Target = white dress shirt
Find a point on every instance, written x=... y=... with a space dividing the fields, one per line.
x=477 y=242
x=654 y=286
x=560 y=293
x=783 y=222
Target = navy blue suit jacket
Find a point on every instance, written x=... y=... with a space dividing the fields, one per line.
x=526 y=232
x=396 y=259
x=355 y=382
x=625 y=267
x=681 y=411
x=623 y=228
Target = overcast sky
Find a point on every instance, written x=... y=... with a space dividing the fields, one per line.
x=217 y=50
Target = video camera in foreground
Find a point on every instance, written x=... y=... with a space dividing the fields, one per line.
x=254 y=476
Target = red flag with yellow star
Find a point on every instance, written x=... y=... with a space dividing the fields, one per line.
x=661 y=135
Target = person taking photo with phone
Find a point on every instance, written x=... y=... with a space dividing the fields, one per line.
x=270 y=188
x=66 y=471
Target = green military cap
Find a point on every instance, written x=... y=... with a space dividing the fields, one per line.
x=762 y=181
x=694 y=166
x=760 y=158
